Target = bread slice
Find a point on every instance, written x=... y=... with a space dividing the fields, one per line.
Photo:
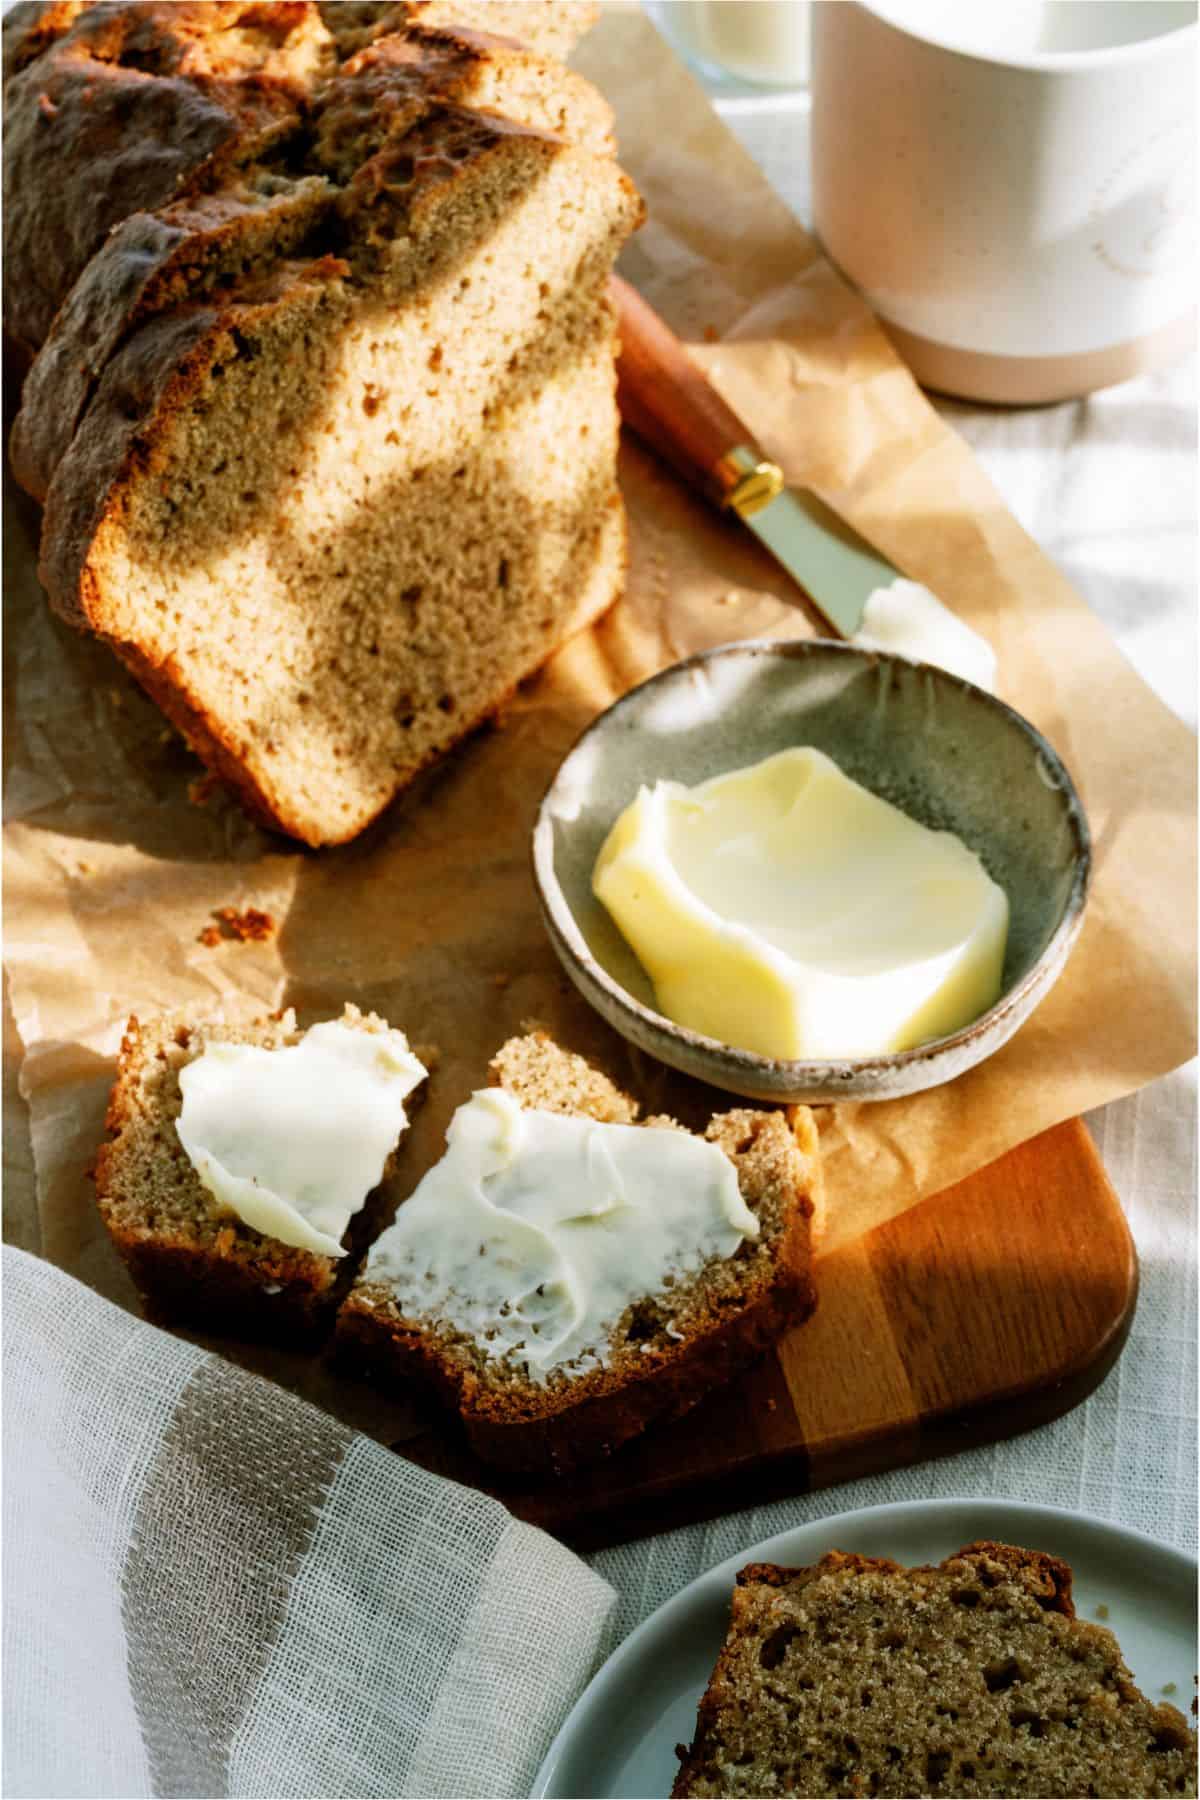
x=192 y=1263
x=331 y=520
x=386 y=89
x=153 y=262
x=857 y=1676
x=552 y=27
x=668 y=1350
x=120 y=108
x=111 y=110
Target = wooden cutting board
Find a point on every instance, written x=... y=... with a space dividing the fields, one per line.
x=991 y=1308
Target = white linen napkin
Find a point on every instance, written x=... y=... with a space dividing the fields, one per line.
x=211 y=1588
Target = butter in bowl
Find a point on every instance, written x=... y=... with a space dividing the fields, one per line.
x=808 y=871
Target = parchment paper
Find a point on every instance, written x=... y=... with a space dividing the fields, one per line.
x=430 y=917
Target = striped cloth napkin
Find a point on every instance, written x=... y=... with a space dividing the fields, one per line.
x=212 y=1588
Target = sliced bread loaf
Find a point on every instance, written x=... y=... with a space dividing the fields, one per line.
x=328 y=443
x=207 y=244
x=194 y=1261
x=671 y=1345
x=116 y=109
x=112 y=109
x=385 y=90
x=330 y=520
x=860 y=1677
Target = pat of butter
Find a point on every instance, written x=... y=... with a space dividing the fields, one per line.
x=788 y=911
x=536 y=1230
x=293 y=1140
x=908 y=619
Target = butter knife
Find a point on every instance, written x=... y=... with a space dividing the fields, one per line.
x=667 y=401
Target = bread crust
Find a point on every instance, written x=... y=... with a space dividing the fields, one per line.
x=149 y=264
x=133 y=107
x=572 y=1431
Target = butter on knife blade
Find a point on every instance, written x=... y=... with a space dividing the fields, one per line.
x=667 y=401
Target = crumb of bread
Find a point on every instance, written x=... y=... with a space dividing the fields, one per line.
x=248 y=924
x=251 y=924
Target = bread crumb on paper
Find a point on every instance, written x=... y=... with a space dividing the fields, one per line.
x=249 y=925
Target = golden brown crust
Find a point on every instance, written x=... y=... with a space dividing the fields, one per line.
x=150 y=263
x=386 y=90
x=552 y=27
x=132 y=107
x=1046 y=1577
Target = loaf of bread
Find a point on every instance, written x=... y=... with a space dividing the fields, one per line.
x=859 y=1677
x=195 y=1263
x=111 y=109
x=669 y=1348
x=323 y=416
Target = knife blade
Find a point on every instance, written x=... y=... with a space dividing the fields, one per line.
x=665 y=398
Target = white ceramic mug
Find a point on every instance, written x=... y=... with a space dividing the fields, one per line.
x=1011 y=184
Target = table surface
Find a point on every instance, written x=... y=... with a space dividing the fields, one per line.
x=1107 y=486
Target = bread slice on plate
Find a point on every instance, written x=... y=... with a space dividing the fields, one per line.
x=857 y=1677
x=471 y=1338
x=195 y=1261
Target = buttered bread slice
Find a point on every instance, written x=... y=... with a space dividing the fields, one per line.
x=244 y=1165
x=563 y=1277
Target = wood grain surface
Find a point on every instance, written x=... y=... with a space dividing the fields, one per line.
x=991 y=1308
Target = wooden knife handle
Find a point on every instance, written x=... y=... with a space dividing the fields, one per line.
x=666 y=400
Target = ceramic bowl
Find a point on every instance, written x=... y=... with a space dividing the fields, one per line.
x=942 y=750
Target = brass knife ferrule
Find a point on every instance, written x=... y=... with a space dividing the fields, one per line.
x=748 y=482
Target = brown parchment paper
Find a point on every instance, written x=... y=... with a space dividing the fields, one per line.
x=111 y=873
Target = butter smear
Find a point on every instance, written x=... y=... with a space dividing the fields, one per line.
x=293 y=1140
x=536 y=1230
x=786 y=910
x=907 y=619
